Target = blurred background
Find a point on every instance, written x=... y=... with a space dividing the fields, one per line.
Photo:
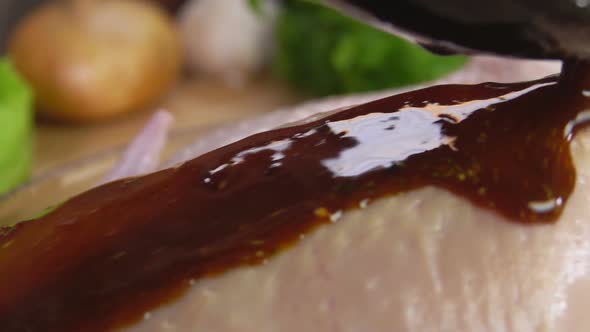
x=78 y=77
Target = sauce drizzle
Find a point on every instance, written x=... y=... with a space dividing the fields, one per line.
x=105 y=257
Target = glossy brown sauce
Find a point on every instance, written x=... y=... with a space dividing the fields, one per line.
x=109 y=255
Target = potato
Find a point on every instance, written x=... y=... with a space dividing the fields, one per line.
x=90 y=60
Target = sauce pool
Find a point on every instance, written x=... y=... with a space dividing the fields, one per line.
x=105 y=257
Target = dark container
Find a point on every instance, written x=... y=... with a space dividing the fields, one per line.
x=521 y=28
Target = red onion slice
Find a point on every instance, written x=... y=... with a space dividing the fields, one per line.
x=143 y=154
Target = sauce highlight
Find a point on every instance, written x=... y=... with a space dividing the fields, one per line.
x=105 y=257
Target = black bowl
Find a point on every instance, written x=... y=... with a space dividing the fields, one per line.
x=550 y=29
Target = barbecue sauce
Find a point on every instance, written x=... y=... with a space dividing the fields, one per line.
x=107 y=256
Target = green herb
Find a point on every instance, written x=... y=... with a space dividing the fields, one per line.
x=323 y=52
x=255 y=5
x=16 y=118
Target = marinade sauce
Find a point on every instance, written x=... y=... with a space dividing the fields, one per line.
x=107 y=256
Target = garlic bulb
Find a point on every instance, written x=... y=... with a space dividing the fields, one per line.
x=227 y=39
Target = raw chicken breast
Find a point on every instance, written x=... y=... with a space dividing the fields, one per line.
x=422 y=261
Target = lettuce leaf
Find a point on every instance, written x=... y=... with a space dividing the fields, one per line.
x=16 y=127
x=323 y=52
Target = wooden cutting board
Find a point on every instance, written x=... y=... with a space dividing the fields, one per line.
x=197 y=104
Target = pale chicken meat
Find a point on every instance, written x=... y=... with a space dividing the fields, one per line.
x=421 y=260
x=426 y=260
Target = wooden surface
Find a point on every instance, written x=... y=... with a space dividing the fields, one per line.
x=196 y=104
